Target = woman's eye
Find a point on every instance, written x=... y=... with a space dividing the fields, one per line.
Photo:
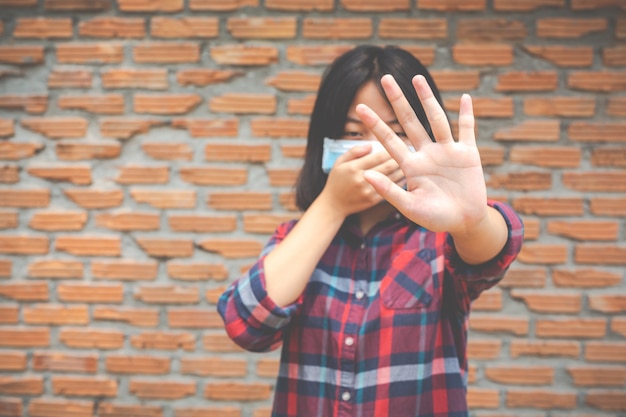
x=401 y=134
x=351 y=134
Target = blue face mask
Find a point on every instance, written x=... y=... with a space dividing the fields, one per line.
x=334 y=148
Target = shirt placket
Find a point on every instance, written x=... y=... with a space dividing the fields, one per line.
x=350 y=335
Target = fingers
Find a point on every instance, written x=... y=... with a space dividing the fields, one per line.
x=355 y=152
x=404 y=112
x=385 y=135
x=436 y=116
x=388 y=189
x=466 y=121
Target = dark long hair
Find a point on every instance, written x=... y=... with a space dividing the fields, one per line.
x=340 y=84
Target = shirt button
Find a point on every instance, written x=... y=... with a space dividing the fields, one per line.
x=349 y=341
x=359 y=294
x=346 y=396
x=362 y=245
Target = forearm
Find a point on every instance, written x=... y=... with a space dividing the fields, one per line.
x=484 y=241
x=290 y=265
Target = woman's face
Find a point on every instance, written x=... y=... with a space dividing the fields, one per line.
x=370 y=95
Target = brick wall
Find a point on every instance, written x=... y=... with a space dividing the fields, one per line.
x=149 y=148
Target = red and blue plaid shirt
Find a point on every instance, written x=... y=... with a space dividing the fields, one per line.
x=381 y=328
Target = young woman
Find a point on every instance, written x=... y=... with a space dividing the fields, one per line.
x=369 y=291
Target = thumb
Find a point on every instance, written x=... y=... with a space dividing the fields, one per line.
x=355 y=152
x=389 y=190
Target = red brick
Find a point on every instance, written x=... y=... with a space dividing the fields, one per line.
x=221 y=5
x=596 y=4
x=490 y=29
x=560 y=106
x=595 y=181
x=167 y=294
x=6 y=268
x=264 y=223
x=315 y=54
x=236 y=391
x=135 y=174
x=531 y=130
x=375 y=6
x=324 y=28
x=163 y=247
x=75 y=174
x=77 y=5
x=89 y=245
x=565 y=28
x=165 y=199
x=9 y=314
x=12 y=407
x=620 y=28
x=527 y=81
x=164 y=341
x=21 y=4
x=483 y=54
x=605 y=352
x=126 y=410
x=7 y=130
x=165 y=104
x=232 y=249
x=524 y=278
x=520 y=375
x=201 y=77
x=544 y=254
x=82 y=338
x=166 y=53
x=55 y=315
x=89 y=53
x=563 y=56
x=240 y=201
x=607 y=303
x=138 y=364
x=8 y=219
x=548 y=157
x=618 y=325
x=288 y=201
x=585 y=278
x=64 y=362
x=120 y=128
x=152 y=79
x=490 y=156
x=75 y=151
x=142 y=317
x=608 y=157
x=484 y=106
x=202 y=223
x=57 y=127
x=214 y=176
x=69 y=78
x=561 y=206
x=413 y=28
x=596 y=376
x=12 y=361
x=29 y=103
x=483 y=349
x=279 y=127
x=212 y=295
x=196 y=271
x=584 y=230
x=597 y=81
x=498 y=324
x=267 y=368
x=25 y=291
x=97 y=104
x=244 y=55
x=550 y=303
x=24 y=337
x=9 y=174
x=24 y=245
x=16 y=151
x=84 y=386
x=90 y=293
x=482 y=398
x=125 y=270
x=219 y=342
x=237 y=152
x=95 y=198
x=488 y=301
x=608 y=206
x=128 y=221
x=614 y=56
x=242 y=103
x=599 y=254
x=22 y=385
x=112 y=27
x=522 y=181
x=449 y=80
x=210 y=411
x=262 y=27
x=199 y=128
x=58 y=220
x=293 y=151
x=544 y=349
x=161 y=390
x=168 y=151
x=168 y=6
x=22 y=54
x=193 y=318
x=545 y=400
x=43 y=407
x=213 y=367
x=584 y=328
x=606 y=400
x=596 y=132
x=187 y=27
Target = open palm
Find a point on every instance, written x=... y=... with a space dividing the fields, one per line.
x=445 y=183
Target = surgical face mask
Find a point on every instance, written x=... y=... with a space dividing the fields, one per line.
x=334 y=148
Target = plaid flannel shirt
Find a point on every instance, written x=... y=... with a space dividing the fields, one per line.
x=381 y=328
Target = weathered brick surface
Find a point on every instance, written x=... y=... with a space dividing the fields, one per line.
x=150 y=148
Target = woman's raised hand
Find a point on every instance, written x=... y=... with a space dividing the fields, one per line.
x=445 y=184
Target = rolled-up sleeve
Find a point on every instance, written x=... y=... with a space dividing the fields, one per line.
x=251 y=318
x=471 y=280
